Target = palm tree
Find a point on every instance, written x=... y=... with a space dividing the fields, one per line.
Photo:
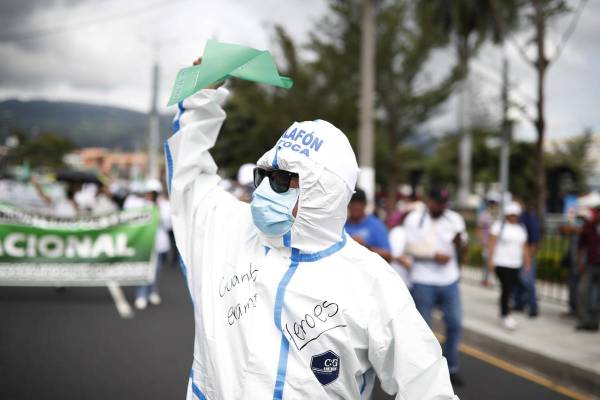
x=468 y=24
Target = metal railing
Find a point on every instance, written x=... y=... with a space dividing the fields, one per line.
x=547 y=291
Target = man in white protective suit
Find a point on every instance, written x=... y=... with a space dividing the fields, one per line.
x=286 y=305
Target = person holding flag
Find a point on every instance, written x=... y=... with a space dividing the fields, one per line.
x=286 y=304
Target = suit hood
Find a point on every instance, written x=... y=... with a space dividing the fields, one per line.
x=322 y=156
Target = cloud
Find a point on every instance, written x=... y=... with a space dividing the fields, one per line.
x=110 y=59
x=18 y=17
x=110 y=62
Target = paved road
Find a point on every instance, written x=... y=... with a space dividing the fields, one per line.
x=73 y=345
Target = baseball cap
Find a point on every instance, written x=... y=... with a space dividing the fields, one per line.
x=439 y=194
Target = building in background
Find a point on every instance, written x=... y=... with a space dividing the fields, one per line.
x=112 y=163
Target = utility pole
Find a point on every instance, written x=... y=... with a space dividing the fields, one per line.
x=153 y=126
x=506 y=136
x=541 y=64
x=465 y=151
x=366 y=178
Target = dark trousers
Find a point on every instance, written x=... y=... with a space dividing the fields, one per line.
x=524 y=291
x=588 y=301
x=509 y=278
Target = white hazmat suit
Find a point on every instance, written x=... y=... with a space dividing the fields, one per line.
x=310 y=315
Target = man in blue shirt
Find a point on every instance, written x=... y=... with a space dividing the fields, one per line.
x=367 y=230
x=525 y=293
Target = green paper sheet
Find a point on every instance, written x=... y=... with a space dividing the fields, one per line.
x=223 y=60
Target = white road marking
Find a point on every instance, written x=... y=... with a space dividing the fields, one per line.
x=121 y=303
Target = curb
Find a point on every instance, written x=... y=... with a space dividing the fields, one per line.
x=559 y=371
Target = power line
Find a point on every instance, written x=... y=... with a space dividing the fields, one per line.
x=56 y=30
x=493 y=77
x=565 y=37
x=570 y=29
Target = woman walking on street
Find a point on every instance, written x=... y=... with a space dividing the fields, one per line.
x=507 y=252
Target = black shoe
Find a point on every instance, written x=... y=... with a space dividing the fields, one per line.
x=587 y=327
x=456 y=379
x=518 y=308
x=533 y=314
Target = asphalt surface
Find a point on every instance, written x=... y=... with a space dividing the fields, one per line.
x=73 y=345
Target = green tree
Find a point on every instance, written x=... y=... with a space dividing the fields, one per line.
x=469 y=24
x=574 y=155
x=540 y=15
x=258 y=114
x=327 y=87
x=485 y=161
x=45 y=150
x=405 y=98
x=404 y=48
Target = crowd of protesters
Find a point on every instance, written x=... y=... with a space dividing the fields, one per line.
x=582 y=229
x=422 y=239
x=426 y=241
x=73 y=199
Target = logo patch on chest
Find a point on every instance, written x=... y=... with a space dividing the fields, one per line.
x=326 y=367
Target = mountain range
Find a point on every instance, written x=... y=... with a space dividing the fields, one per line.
x=87 y=125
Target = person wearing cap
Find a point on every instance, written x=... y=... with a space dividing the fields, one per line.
x=136 y=196
x=507 y=253
x=571 y=229
x=484 y=222
x=524 y=293
x=286 y=304
x=148 y=194
x=435 y=238
x=589 y=272
x=365 y=229
x=244 y=184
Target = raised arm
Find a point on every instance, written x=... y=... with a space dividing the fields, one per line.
x=192 y=178
x=38 y=188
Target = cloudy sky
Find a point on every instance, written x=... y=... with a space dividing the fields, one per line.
x=101 y=51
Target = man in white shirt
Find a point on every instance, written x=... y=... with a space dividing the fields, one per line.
x=400 y=261
x=434 y=238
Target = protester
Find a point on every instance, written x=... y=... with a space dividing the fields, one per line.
x=484 y=222
x=151 y=191
x=571 y=228
x=63 y=207
x=103 y=201
x=367 y=230
x=244 y=187
x=589 y=273
x=286 y=304
x=508 y=251
x=435 y=236
x=525 y=292
x=136 y=197
x=400 y=261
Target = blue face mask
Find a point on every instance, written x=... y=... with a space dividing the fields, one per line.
x=271 y=211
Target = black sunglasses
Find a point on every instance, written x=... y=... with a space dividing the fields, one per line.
x=278 y=179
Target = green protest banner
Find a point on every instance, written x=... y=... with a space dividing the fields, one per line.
x=41 y=250
x=224 y=60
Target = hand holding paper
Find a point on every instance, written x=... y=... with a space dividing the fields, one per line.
x=223 y=60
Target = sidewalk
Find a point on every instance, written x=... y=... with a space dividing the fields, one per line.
x=547 y=344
